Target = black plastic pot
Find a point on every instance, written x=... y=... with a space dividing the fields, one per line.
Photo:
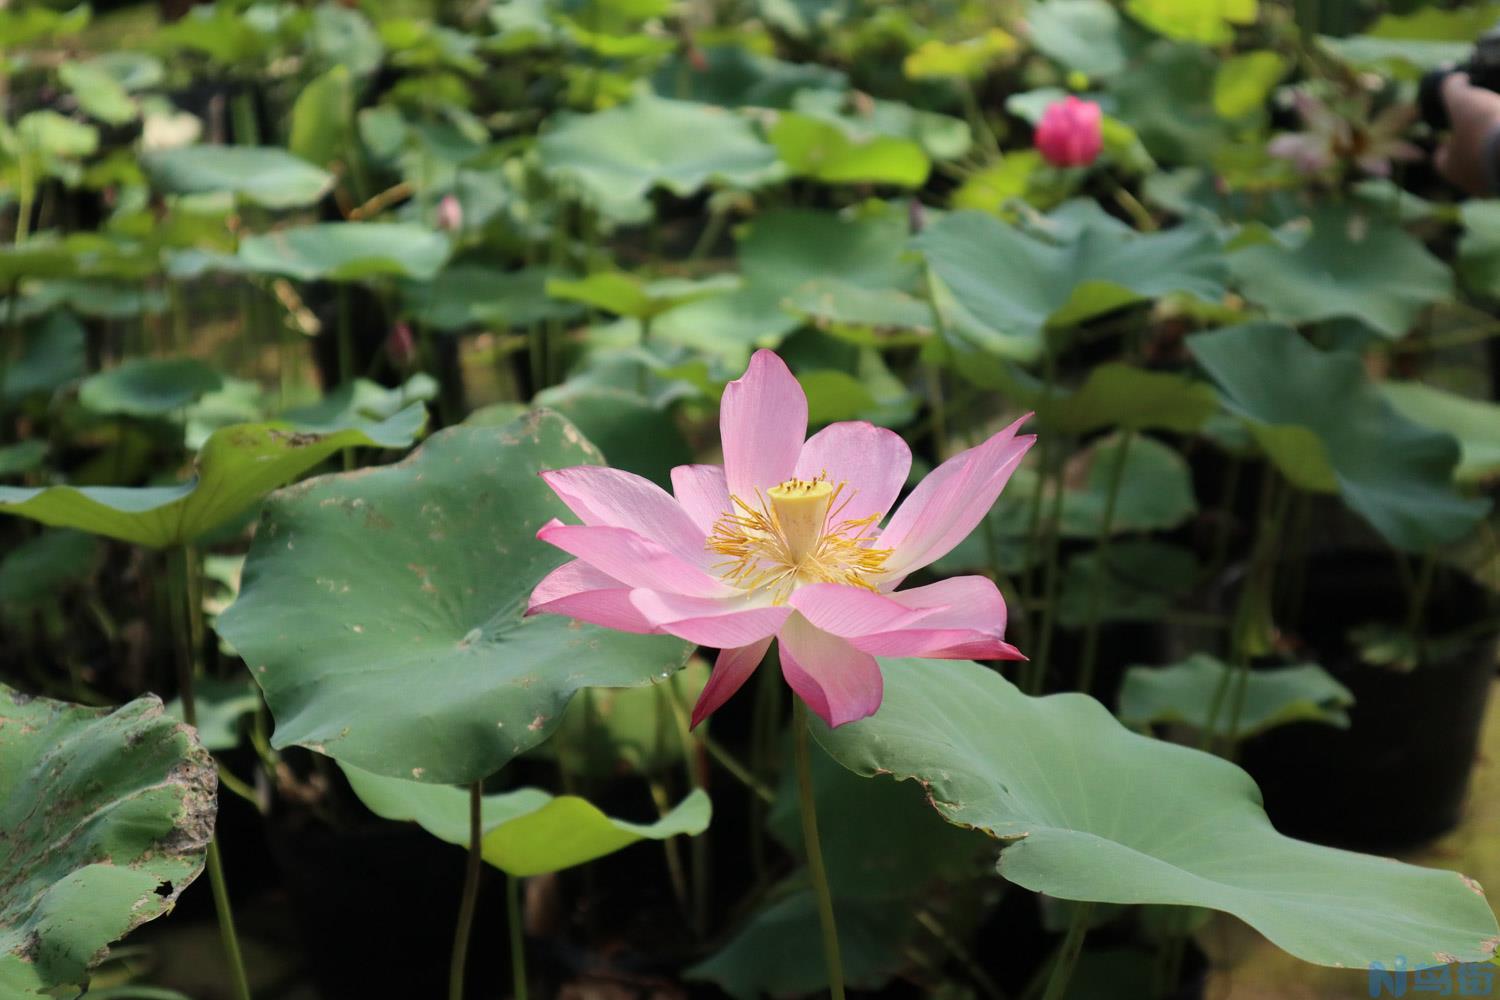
x=1399 y=774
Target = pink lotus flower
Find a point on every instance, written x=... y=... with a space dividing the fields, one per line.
x=1070 y=134
x=783 y=541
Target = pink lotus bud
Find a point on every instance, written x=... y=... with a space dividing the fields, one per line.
x=401 y=346
x=450 y=214
x=1069 y=133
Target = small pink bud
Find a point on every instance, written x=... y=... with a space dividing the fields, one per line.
x=401 y=346
x=1069 y=133
x=450 y=214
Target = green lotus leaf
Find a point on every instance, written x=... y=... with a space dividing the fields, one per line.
x=626 y=294
x=265 y=175
x=382 y=611
x=99 y=94
x=780 y=253
x=1019 y=286
x=526 y=831
x=348 y=251
x=52 y=353
x=1089 y=810
x=1083 y=35
x=105 y=817
x=1352 y=265
x=219 y=705
x=1474 y=422
x=1137 y=580
x=617 y=156
x=632 y=432
x=1185 y=694
x=467 y=294
x=148 y=387
x=734 y=77
x=1209 y=22
x=235 y=468
x=1325 y=425
x=823 y=151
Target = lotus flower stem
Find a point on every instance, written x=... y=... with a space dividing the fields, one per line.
x=226 y=922
x=517 y=937
x=1067 y=955
x=816 y=872
x=470 y=895
x=1106 y=528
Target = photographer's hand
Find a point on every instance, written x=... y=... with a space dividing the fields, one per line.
x=1465 y=158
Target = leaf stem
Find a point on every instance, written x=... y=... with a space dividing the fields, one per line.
x=1067 y=955
x=517 y=937
x=183 y=594
x=470 y=895
x=816 y=872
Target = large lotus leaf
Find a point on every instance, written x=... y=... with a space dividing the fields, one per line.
x=1209 y=22
x=626 y=294
x=51 y=353
x=732 y=76
x=1116 y=395
x=1155 y=491
x=782 y=252
x=467 y=294
x=348 y=251
x=1352 y=265
x=99 y=95
x=148 y=387
x=633 y=433
x=1426 y=38
x=860 y=313
x=1083 y=35
x=823 y=151
x=617 y=156
x=1155 y=494
x=361 y=400
x=1321 y=408
x=105 y=816
x=382 y=611
x=1185 y=694
x=236 y=467
x=942 y=137
x=1243 y=83
x=1479 y=247
x=1136 y=580
x=1021 y=286
x=779 y=952
x=526 y=831
x=266 y=175
x=1167 y=98
x=219 y=707
x=1092 y=811
x=1474 y=422
x=34 y=572
x=22 y=457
